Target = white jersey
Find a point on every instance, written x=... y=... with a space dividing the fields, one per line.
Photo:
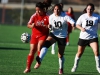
x=90 y=24
x=59 y=24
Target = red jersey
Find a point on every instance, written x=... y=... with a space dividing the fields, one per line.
x=39 y=20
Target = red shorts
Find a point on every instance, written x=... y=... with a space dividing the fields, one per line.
x=36 y=38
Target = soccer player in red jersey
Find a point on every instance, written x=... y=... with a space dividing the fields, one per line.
x=39 y=25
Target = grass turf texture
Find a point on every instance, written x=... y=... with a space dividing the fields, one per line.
x=13 y=54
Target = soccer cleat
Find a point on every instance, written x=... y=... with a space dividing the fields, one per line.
x=60 y=71
x=98 y=69
x=26 y=70
x=37 y=65
x=73 y=69
x=52 y=51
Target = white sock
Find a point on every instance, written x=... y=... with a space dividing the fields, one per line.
x=61 y=63
x=97 y=59
x=53 y=46
x=76 y=61
x=43 y=52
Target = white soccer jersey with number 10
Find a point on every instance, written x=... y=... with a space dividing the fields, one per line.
x=59 y=24
x=90 y=24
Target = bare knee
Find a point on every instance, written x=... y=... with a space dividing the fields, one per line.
x=80 y=51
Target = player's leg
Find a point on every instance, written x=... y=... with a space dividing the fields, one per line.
x=61 y=48
x=40 y=43
x=40 y=57
x=61 y=58
x=95 y=47
x=49 y=41
x=77 y=57
x=30 y=57
x=53 y=48
x=81 y=47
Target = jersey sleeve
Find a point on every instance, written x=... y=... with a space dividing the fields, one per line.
x=50 y=20
x=69 y=19
x=79 y=21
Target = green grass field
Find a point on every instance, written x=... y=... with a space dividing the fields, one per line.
x=13 y=54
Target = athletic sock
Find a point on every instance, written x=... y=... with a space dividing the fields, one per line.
x=29 y=61
x=76 y=61
x=61 y=63
x=43 y=53
x=53 y=46
x=97 y=59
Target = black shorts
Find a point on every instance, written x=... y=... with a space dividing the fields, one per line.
x=60 y=41
x=82 y=42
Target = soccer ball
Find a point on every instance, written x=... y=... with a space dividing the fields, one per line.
x=25 y=37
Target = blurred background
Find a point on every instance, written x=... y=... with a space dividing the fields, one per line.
x=18 y=12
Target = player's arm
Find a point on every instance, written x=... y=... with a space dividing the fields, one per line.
x=50 y=23
x=70 y=20
x=31 y=22
x=30 y=25
x=80 y=27
x=78 y=24
x=50 y=27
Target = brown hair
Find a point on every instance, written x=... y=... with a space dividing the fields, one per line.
x=40 y=5
x=59 y=6
x=90 y=4
x=47 y=4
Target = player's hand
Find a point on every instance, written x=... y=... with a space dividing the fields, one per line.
x=33 y=25
x=30 y=25
x=50 y=27
x=82 y=29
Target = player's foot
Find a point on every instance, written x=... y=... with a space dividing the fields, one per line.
x=37 y=65
x=52 y=51
x=98 y=69
x=26 y=70
x=73 y=69
x=60 y=71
